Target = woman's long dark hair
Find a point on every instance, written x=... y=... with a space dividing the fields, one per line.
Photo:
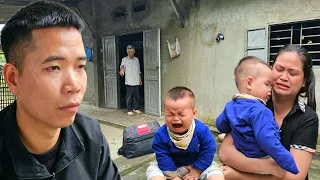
x=310 y=81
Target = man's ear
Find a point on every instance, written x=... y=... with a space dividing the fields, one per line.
x=249 y=81
x=11 y=75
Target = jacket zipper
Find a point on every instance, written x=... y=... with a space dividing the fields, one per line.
x=53 y=176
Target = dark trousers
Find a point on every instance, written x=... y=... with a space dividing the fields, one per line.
x=132 y=97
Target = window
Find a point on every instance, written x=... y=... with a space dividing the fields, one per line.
x=305 y=34
x=140 y=9
x=2 y=59
x=256 y=43
x=1 y=26
x=139 y=6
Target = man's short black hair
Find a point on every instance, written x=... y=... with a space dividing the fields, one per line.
x=16 y=35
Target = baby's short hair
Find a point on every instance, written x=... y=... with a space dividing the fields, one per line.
x=247 y=67
x=180 y=92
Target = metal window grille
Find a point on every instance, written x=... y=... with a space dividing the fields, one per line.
x=305 y=34
x=6 y=97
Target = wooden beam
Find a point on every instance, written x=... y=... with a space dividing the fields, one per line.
x=178 y=12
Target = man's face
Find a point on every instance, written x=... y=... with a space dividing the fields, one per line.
x=53 y=80
x=130 y=53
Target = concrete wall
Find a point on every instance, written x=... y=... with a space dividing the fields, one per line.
x=85 y=11
x=6 y=11
x=204 y=65
x=214 y=62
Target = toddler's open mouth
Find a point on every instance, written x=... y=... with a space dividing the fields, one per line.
x=176 y=125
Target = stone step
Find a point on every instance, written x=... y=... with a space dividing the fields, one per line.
x=127 y=166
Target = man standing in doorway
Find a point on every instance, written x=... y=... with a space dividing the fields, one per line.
x=130 y=67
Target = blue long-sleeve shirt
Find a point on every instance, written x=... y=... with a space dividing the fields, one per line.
x=255 y=132
x=199 y=154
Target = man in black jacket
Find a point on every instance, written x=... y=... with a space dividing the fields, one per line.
x=42 y=136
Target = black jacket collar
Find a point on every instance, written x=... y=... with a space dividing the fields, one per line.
x=25 y=165
x=298 y=105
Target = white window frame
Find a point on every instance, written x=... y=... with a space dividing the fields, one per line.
x=264 y=46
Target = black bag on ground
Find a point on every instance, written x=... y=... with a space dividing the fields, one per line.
x=137 y=139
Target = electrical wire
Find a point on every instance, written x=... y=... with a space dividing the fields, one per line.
x=108 y=7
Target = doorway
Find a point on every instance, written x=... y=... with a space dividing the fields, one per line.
x=147 y=45
x=136 y=40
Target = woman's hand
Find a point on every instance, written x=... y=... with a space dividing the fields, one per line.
x=230 y=156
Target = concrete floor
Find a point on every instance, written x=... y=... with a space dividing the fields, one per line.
x=138 y=174
x=115 y=116
x=114 y=139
